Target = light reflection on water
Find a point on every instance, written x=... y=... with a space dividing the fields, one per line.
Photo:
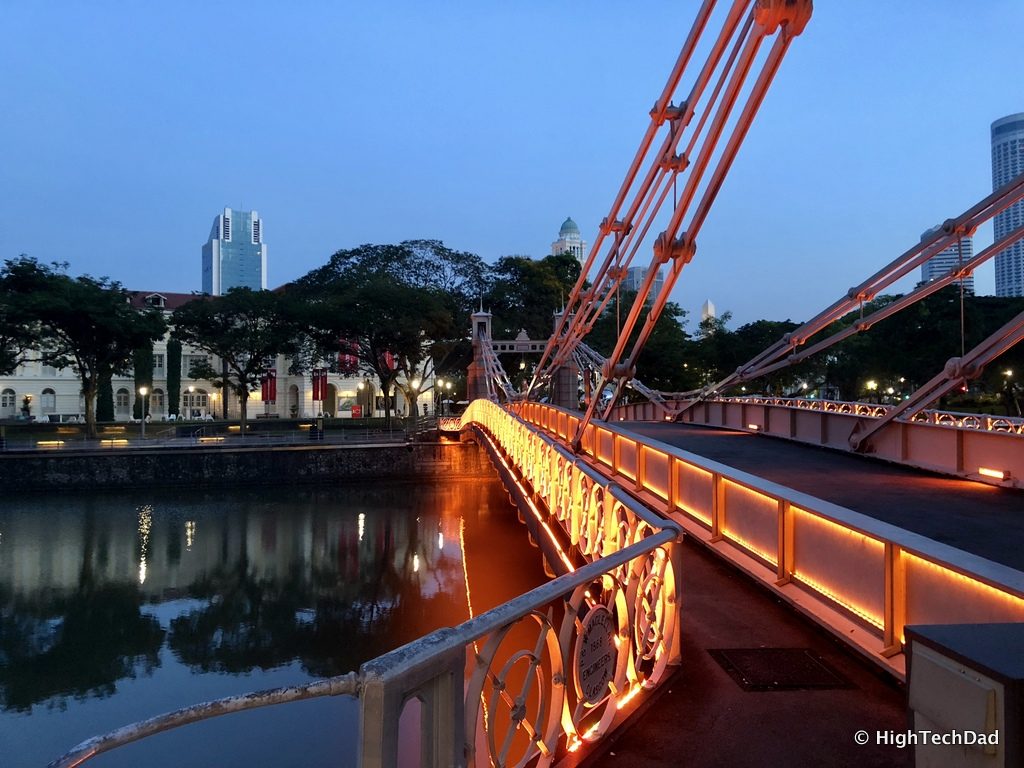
x=116 y=607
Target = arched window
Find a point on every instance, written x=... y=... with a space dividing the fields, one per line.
x=48 y=401
x=122 y=402
x=156 y=402
x=8 y=400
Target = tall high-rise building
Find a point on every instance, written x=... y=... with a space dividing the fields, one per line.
x=235 y=256
x=635 y=277
x=940 y=264
x=570 y=241
x=1007 y=163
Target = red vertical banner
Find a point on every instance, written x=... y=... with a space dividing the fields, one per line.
x=272 y=386
x=319 y=384
x=265 y=387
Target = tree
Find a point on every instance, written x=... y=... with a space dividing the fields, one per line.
x=17 y=331
x=245 y=329
x=173 y=376
x=525 y=293
x=142 y=360
x=662 y=364
x=395 y=328
x=105 y=400
x=402 y=306
x=85 y=324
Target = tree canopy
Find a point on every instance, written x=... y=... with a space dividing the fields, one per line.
x=83 y=323
x=525 y=293
x=402 y=307
x=245 y=329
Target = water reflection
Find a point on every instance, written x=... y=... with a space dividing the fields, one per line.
x=183 y=590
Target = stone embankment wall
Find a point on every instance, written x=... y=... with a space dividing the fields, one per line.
x=234 y=466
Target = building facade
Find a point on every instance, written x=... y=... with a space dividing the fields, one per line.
x=570 y=241
x=940 y=264
x=635 y=277
x=44 y=393
x=1007 y=163
x=235 y=256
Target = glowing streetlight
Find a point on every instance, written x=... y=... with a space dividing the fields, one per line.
x=872 y=385
x=143 y=391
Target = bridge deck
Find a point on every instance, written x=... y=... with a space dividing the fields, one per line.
x=982 y=519
x=704 y=719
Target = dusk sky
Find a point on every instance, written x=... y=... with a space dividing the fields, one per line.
x=127 y=127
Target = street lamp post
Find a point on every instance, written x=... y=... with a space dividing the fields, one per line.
x=191 y=391
x=143 y=392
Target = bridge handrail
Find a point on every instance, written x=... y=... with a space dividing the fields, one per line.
x=335 y=686
x=866 y=579
x=985 y=422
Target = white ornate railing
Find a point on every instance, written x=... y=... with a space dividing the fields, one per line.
x=539 y=677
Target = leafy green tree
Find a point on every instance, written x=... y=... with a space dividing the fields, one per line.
x=18 y=333
x=105 y=400
x=663 y=362
x=525 y=293
x=245 y=329
x=142 y=360
x=403 y=307
x=173 y=376
x=85 y=324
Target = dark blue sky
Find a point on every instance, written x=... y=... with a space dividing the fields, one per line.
x=128 y=126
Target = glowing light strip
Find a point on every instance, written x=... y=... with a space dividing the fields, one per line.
x=871 y=618
x=631 y=694
x=998 y=474
x=771 y=557
x=971 y=583
x=533 y=508
x=50 y=443
x=575 y=742
x=114 y=441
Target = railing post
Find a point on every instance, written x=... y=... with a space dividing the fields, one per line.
x=414 y=672
x=784 y=555
x=717 y=507
x=675 y=645
x=673 y=483
x=895 y=600
x=641 y=466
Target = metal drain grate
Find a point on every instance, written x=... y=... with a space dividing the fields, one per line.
x=778 y=669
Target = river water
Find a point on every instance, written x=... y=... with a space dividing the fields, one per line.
x=115 y=607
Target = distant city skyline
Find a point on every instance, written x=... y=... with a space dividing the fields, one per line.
x=876 y=127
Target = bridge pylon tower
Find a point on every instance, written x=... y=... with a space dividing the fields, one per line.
x=476 y=376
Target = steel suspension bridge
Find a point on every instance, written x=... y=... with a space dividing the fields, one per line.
x=555 y=671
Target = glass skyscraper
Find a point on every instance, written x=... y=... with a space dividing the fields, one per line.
x=1007 y=163
x=940 y=264
x=235 y=256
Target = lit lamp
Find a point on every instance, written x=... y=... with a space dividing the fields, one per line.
x=213 y=404
x=143 y=391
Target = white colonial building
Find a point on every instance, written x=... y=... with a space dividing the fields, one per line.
x=45 y=393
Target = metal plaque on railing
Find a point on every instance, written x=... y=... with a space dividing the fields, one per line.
x=596 y=655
